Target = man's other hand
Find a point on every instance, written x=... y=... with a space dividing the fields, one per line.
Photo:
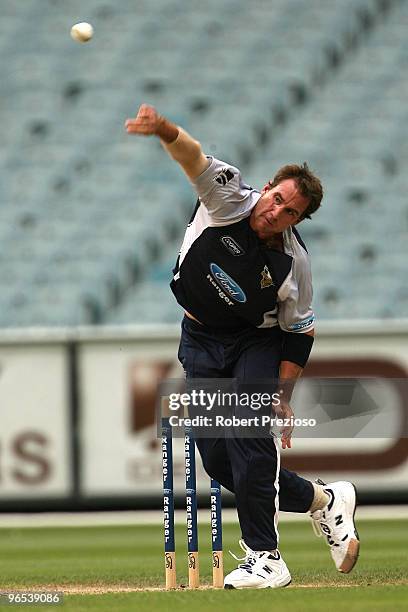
x=284 y=411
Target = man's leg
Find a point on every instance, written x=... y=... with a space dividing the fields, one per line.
x=259 y=361
x=296 y=494
x=332 y=506
x=216 y=462
x=255 y=468
x=202 y=357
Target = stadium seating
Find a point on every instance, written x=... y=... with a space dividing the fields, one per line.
x=91 y=219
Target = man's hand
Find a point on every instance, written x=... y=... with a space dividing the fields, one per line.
x=284 y=411
x=146 y=122
x=178 y=144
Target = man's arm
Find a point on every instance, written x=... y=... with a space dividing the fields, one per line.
x=289 y=372
x=178 y=143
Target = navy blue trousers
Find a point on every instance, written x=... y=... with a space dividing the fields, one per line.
x=248 y=467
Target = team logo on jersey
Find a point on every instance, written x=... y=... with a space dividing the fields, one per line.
x=224 y=177
x=227 y=283
x=232 y=245
x=266 y=278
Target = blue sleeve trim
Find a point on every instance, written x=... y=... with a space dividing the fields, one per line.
x=301 y=324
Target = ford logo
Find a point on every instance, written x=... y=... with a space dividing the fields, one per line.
x=227 y=283
x=232 y=246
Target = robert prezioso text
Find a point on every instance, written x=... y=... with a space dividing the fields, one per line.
x=234 y=421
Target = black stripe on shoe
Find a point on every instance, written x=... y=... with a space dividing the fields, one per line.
x=331 y=502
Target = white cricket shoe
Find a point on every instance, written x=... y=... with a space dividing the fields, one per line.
x=260 y=570
x=336 y=522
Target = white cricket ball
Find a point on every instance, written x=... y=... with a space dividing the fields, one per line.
x=82 y=32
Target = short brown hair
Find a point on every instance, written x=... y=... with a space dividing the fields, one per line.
x=308 y=184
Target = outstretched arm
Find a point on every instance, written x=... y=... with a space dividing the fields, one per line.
x=178 y=143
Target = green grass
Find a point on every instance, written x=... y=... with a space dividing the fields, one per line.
x=121 y=557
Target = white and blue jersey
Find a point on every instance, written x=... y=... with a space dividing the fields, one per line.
x=225 y=276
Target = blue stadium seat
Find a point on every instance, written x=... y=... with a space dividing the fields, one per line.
x=97 y=214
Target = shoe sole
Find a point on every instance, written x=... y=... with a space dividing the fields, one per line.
x=353 y=549
x=351 y=557
x=280 y=586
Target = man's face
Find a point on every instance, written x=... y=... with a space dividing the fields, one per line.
x=277 y=209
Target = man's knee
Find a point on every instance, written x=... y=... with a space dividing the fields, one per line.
x=214 y=457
